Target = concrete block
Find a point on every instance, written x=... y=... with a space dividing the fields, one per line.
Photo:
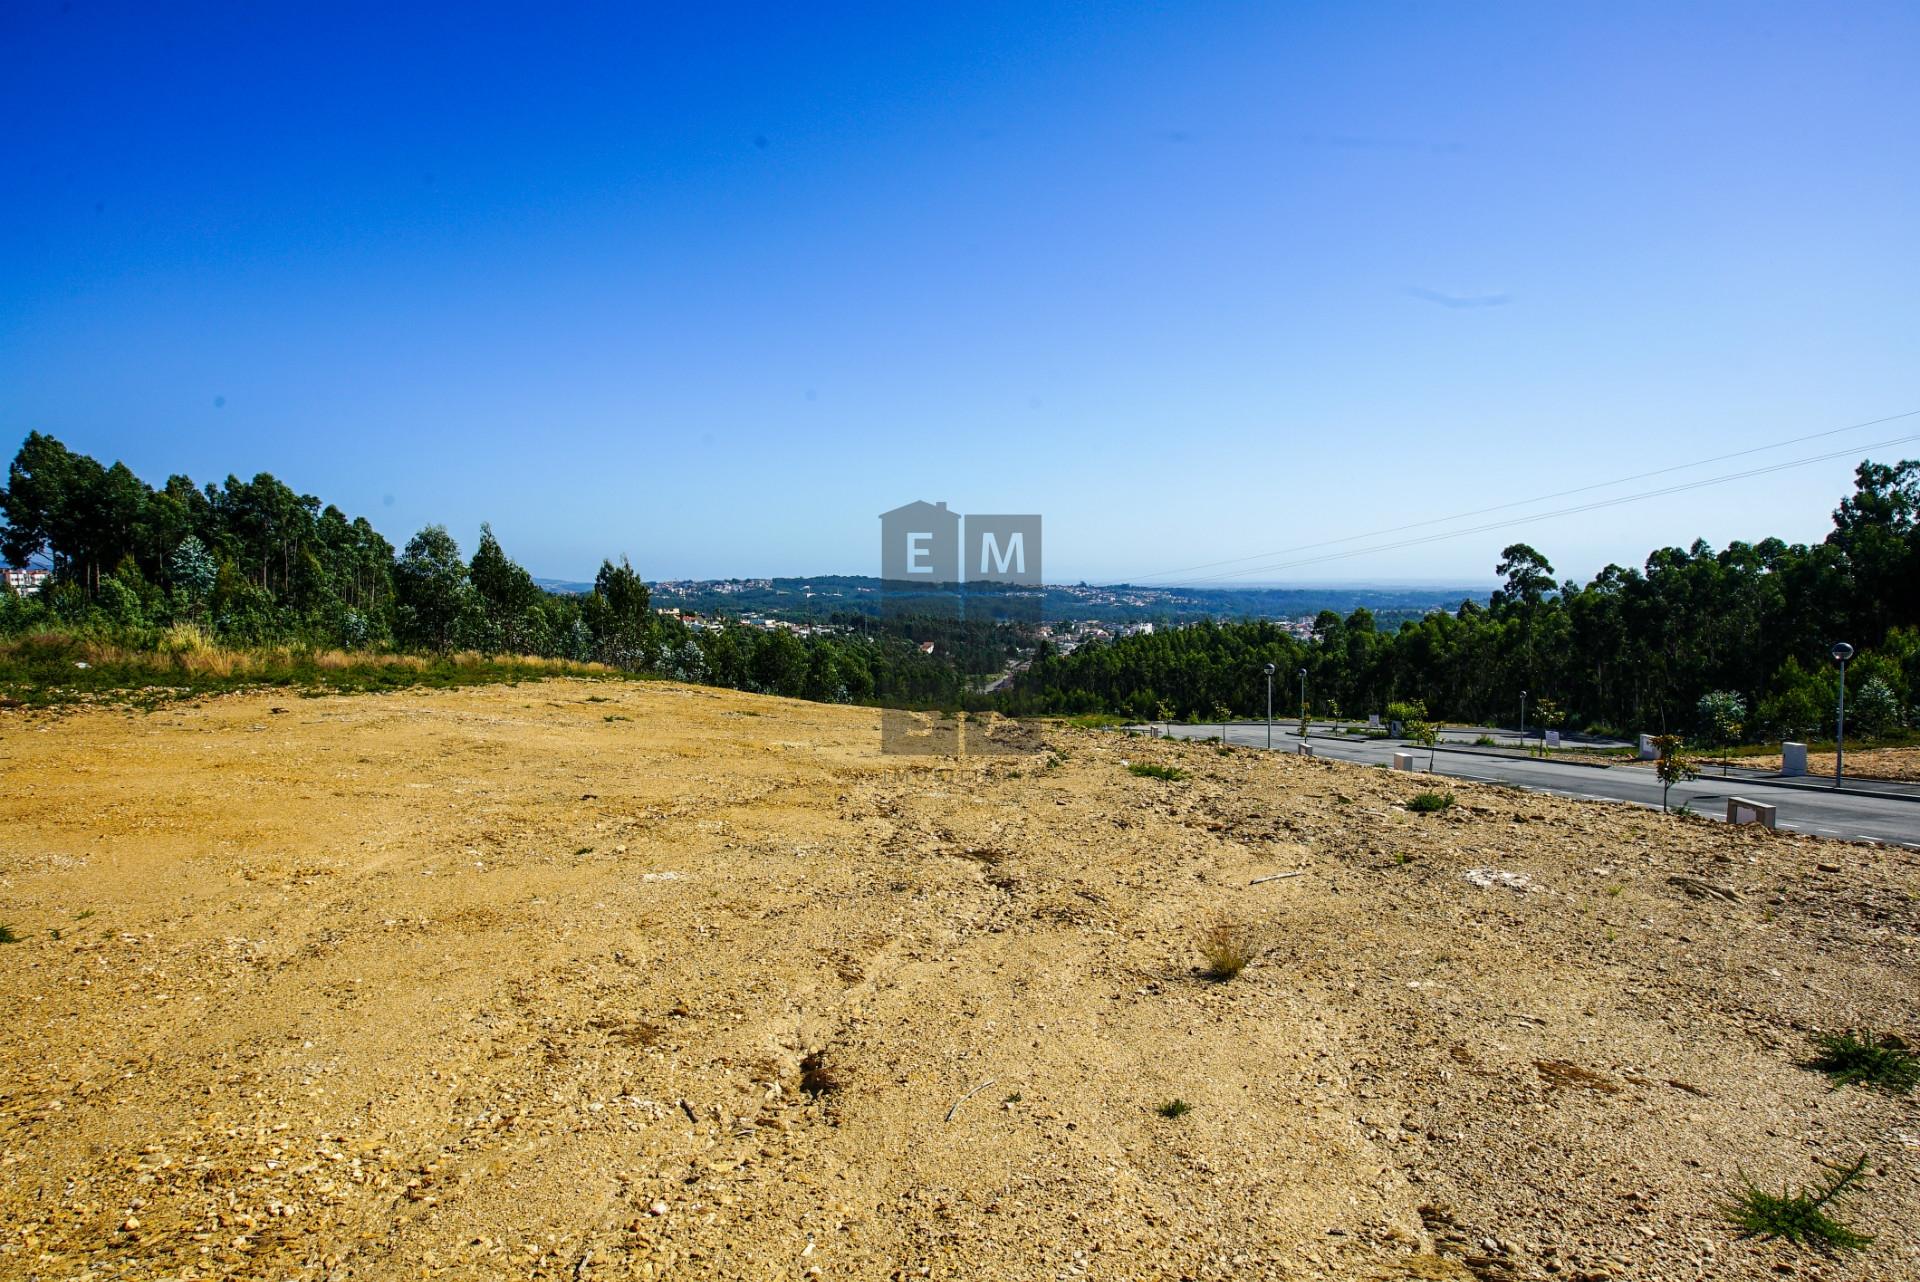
x=1553 y=738
x=1793 y=758
x=1374 y=720
x=1742 y=811
x=1647 y=751
x=1403 y=761
x=1396 y=730
x=1306 y=749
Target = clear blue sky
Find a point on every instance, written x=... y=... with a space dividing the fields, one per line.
x=714 y=288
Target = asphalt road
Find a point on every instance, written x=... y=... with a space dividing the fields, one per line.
x=1801 y=809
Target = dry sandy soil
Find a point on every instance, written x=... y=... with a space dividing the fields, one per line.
x=1862 y=763
x=520 y=982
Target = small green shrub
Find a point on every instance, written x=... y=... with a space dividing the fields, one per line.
x=1884 y=1060
x=1174 y=1108
x=1408 y=710
x=1674 y=765
x=1486 y=741
x=1801 y=1218
x=1430 y=802
x=7 y=936
x=1149 y=770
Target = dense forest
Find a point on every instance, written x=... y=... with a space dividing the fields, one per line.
x=1720 y=645
x=254 y=563
x=1717 y=644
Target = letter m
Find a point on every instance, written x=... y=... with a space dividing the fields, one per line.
x=1015 y=553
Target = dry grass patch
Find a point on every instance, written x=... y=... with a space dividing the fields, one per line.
x=818 y=1077
x=1229 y=944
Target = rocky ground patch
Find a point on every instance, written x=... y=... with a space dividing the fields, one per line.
x=591 y=980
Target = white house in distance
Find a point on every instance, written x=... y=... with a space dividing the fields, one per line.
x=25 y=581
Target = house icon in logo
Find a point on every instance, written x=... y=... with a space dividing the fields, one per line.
x=920 y=545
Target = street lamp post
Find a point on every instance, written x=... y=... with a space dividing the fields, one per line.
x=1303 y=703
x=1523 y=720
x=1841 y=653
x=1269 y=707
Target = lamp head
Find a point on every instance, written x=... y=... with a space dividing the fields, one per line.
x=1269 y=669
x=1842 y=652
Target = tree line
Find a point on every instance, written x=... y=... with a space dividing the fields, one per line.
x=255 y=563
x=1717 y=644
x=1720 y=645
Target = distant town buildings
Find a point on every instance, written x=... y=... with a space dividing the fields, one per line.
x=25 y=581
x=1082 y=614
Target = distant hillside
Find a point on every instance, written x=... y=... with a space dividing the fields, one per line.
x=825 y=595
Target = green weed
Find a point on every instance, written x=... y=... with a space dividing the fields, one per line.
x=1150 y=770
x=1800 y=1217
x=1885 y=1061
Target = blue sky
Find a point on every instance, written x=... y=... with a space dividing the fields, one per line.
x=712 y=288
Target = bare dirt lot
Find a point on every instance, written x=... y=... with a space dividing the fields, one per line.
x=1901 y=764
x=593 y=980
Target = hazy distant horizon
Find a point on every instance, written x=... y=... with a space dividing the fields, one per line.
x=1342 y=585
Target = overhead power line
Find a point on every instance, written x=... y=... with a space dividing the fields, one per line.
x=1539 y=498
x=1567 y=511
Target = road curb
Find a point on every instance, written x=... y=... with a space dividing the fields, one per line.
x=1781 y=781
x=1757 y=781
x=1511 y=756
x=1762 y=781
x=1827 y=788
